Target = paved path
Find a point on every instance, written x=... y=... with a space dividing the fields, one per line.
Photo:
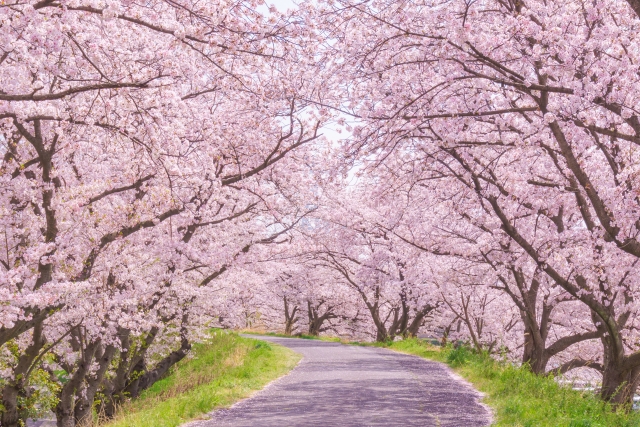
x=342 y=385
x=41 y=423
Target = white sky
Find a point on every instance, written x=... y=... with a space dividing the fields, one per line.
x=282 y=5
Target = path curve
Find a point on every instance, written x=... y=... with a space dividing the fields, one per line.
x=344 y=385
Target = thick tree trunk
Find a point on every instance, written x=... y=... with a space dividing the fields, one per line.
x=12 y=414
x=159 y=371
x=382 y=335
x=290 y=318
x=85 y=395
x=394 y=328
x=65 y=411
x=289 y=327
x=133 y=386
x=403 y=323
x=314 y=328
x=149 y=377
x=418 y=320
x=112 y=389
x=414 y=327
x=316 y=320
x=534 y=355
x=619 y=385
x=136 y=367
x=620 y=378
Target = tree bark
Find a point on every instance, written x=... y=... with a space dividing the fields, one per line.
x=114 y=390
x=533 y=353
x=418 y=321
x=86 y=394
x=619 y=384
x=290 y=317
x=65 y=413
x=13 y=415
x=159 y=371
x=316 y=320
x=149 y=377
x=118 y=382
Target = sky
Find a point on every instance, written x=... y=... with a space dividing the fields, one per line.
x=282 y=5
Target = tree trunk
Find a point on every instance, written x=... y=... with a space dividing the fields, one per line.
x=86 y=395
x=381 y=335
x=290 y=318
x=315 y=324
x=288 y=328
x=619 y=385
x=65 y=413
x=150 y=377
x=534 y=355
x=112 y=389
x=12 y=414
x=381 y=331
x=414 y=327
x=131 y=363
x=314 y=321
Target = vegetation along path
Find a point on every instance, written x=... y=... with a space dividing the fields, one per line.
x=344 y=385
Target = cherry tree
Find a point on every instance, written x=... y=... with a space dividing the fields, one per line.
x=383 y=272
x=530 y=107
x=151 y=133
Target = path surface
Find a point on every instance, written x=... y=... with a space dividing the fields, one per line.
x=342 y=385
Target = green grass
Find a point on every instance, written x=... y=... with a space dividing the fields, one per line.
x=519 y=398
x=222 y=371
x=299 y=335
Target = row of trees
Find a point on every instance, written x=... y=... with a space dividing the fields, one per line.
x=146 y=149
x=498 y=141
x=164 y=170
x=519 y=120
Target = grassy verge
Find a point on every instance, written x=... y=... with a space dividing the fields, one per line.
x=222 y=371
x=519 y=398
x=302 y=336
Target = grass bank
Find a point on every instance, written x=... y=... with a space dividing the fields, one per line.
x=222 y=371
x=299 y=335
x=519 y=398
